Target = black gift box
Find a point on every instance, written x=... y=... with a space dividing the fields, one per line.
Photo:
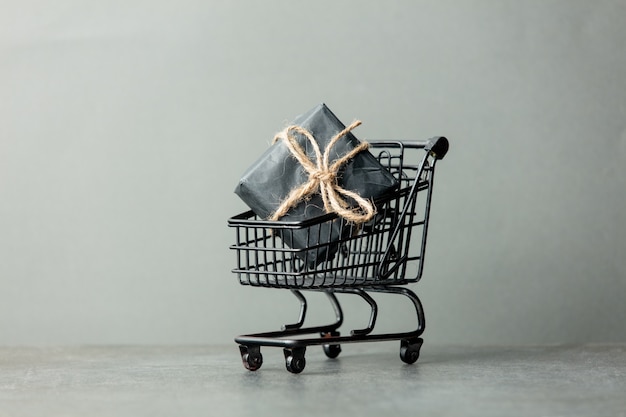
x=264 y=186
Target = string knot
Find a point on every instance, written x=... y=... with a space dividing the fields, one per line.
x=323 y=177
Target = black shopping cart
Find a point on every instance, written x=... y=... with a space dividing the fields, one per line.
x=375 y=257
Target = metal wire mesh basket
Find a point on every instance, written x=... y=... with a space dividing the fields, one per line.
x=375 y=253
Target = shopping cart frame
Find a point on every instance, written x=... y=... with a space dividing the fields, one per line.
x=264 y=262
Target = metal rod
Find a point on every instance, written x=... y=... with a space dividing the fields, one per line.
x=303 y=307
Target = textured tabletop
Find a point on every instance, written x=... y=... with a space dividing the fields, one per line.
x=368 y=379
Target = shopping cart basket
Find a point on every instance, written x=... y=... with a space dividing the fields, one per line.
x=375 y=257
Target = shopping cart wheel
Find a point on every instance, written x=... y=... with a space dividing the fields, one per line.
x=294 y=360
x=251 y=357
x=332 y=351
x=410 y=349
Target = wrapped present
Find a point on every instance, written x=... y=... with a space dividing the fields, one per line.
x=315 y=166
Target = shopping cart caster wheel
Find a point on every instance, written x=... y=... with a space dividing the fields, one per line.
x=410 y=350
x=251 y=357
x=294 y=360
x=331 y=351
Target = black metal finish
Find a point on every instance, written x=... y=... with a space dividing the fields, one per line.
x=303 y=306
x=373 y=258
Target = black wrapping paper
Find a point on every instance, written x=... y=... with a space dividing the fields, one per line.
x=276 y=172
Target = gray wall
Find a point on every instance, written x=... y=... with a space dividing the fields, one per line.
x=124 y=126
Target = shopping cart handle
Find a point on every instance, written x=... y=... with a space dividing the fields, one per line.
x=438 y=145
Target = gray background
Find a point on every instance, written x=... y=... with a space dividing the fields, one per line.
x=124 y=126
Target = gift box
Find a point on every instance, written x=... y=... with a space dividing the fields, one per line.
x=301 y=157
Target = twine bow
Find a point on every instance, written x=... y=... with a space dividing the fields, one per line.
x=323 y=177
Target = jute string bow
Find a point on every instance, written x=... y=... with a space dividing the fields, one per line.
x=323 y=177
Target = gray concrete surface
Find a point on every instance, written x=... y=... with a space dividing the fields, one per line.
x=366 y=380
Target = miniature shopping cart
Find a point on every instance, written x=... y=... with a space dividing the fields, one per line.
x=375 y=257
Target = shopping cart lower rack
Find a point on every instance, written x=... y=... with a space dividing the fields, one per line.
x=372 y=258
